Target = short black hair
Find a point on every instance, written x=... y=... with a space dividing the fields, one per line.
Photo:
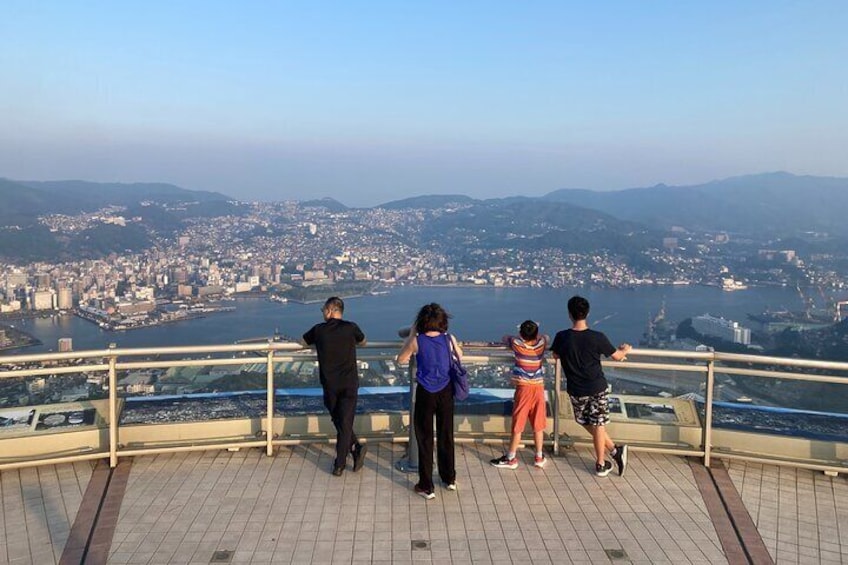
x=528 y=330
x=334 y=303
x=432 y=318
x=578 y=308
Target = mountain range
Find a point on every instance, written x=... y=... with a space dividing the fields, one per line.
x=779 y=205
x=24 y=201
x=771 y=203
x=161 y=208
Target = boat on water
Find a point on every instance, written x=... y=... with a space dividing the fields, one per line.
x=730 y=284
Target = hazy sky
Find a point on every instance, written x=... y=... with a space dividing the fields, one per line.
x=371 y=101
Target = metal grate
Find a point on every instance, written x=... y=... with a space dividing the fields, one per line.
x=420 y=545
x=616 y=554
x=223 y=556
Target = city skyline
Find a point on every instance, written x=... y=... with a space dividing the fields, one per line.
x=369 y=104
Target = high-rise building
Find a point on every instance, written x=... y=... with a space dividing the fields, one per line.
x=42 y=281
x=42 y=300
x=16 y=280
x=66 y=299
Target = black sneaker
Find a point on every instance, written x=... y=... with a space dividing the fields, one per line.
x=603 y=470
x=359 y=456
x=505 y=462
x=620 y=458
x=337 y=471
x=428 y=494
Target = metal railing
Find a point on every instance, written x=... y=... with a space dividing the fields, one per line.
x=702 y=365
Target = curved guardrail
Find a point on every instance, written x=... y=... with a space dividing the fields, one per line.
x=701 y=366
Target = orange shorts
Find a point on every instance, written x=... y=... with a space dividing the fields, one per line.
x=529 y=403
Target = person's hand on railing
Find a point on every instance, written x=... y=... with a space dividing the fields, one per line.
x=621 y=353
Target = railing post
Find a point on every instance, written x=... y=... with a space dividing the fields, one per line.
x=409 y=464
x=269 y=418
x=113 y=409
x=707 y=435
x=557 y=389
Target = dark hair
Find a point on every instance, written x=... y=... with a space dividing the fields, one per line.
x=578 y=308
x=431 y=318
x=528 y=330
x=334 y=303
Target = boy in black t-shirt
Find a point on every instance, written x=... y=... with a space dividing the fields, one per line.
x=579 y=350
x=335 y=343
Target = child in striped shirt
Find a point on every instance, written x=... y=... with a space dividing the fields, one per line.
x=529 y=402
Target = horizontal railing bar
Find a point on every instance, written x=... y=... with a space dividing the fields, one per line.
x=684 y=451
x=655 y=366
x=135 y=352
x=54 y=460
x=782 y=462
x=267 y=353
x=376 y=438
x=765 y=360
x=497 y=352
x=52 y=371
x=185 y=448
x=673 y=354
x=45 y=357
x=187 y=363
x=781 y=375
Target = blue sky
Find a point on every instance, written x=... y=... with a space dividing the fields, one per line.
x=371 y=101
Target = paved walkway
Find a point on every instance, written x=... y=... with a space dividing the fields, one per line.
x=39 y=508
x=801 y=515
x=244 y=507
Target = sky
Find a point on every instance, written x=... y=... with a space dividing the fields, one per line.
x=368 y=102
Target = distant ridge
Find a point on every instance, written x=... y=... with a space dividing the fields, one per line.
x=22 y=204
x=428 y=201
x=96 y=193
x=330 y=204
x=778 y=202
x=24 y=201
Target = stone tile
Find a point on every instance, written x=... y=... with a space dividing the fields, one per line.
x=286 y=509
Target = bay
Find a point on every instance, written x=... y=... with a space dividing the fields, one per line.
x=479 y=314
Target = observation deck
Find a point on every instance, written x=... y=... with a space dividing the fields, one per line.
x=138 y=456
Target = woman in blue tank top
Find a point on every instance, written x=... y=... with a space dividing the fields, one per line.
x=431 y=344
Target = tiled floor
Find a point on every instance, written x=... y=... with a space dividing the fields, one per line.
x=801 y=515
x=182 y=508
x=39 y=507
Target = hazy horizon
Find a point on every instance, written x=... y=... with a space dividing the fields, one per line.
x=377 y=102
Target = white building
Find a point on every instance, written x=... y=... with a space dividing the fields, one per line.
x=66 y=299
x=43 y=300
x=727 y=330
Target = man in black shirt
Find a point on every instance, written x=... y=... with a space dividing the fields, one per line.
x=579 y=350
x=335 y=342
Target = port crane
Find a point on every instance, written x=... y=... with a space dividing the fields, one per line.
x=807 y=301
x=839 y=305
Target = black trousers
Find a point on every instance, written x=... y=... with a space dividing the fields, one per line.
x=341 y=403
x=440 y=405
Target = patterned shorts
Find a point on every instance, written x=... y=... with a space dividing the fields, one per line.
x=592 y=410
